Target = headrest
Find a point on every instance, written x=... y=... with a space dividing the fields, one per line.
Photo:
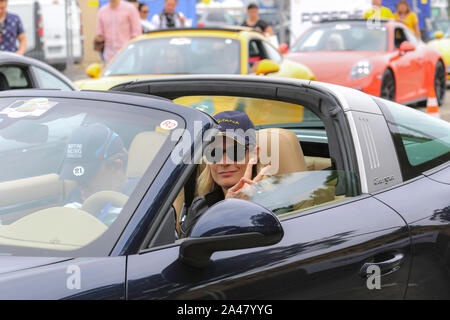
x=290 y=155
x=143 y=150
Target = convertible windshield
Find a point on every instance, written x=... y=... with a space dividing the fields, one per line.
x=178 y=55
x=71 y=167
x=342 y=37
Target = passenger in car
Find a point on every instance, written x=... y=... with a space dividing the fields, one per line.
x=232 y=164
x=96 y=160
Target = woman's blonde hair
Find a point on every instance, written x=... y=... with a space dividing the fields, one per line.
x=206 y=182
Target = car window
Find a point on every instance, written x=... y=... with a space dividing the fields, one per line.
x=49 y=81
x=254 y=49
x=411 y=37
x=272 y=53
x=262 y=112
x=422 y=142
x=255 y=55
x=292 y=193
x=294 y=141
x=16 y=77
x=399 y=37
x=342 y=37
x=73 y=171
x=178 y=55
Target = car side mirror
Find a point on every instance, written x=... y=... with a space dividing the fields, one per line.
x=231 y=224
x=438 y=34
x=267 y=66
x=284 y=48
x=406 y=46
x=94 y=70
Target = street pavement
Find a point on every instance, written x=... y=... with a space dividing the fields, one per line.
x=78 y=73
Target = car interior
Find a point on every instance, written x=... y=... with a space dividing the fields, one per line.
x=296 y=135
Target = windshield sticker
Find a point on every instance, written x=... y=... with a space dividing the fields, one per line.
x=169 y=124
x=180 y=41
x=78 y=171
x=342 y=26
x=28 y=108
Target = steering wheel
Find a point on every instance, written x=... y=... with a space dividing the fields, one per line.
x=98 y=201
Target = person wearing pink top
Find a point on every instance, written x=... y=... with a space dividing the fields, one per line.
x=117 y=23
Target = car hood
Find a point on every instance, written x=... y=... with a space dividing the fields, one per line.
x=105 y=83
x=333 y=67
x=10 y=264
x=443 y=47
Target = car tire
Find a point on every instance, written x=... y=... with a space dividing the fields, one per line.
x=440 y=82
x=387 y=90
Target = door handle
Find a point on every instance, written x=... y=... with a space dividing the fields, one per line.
x=387 y=266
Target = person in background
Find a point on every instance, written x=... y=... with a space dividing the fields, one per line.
x=117 y=22
x=96 y=160
x=11 y=31
x=408 y=17
x=169 y=18
x=254 y=22
x=147 y=26
x=378 y=11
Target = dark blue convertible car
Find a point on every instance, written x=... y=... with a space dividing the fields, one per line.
x=360 y=188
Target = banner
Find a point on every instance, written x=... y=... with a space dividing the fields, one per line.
x=306 y=12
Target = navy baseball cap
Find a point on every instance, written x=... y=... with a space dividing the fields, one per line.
x=87 y=147
x=237 y=126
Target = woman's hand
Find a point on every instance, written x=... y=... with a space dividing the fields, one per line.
x=235 y=191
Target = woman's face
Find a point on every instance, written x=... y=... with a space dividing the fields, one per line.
x=227 y=173
x=144 y=12
x=402 y=8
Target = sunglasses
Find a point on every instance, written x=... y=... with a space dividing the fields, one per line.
x=236 y=153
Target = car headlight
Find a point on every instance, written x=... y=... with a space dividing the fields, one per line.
x=361 y=69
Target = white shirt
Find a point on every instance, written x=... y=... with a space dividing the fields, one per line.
x=158 y=24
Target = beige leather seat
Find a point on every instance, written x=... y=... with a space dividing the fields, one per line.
x=317 y=163
x=143 y=150
x=284 y=142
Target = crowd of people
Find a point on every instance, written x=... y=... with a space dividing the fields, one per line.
x=403 y=14
x=119 y=21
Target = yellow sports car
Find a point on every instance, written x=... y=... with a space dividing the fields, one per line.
x=235 y=50
x=442 y=44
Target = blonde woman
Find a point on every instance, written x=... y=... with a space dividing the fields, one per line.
x=232 y=164
x=408 y=17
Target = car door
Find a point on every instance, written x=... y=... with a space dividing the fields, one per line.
x=326 y=252
x=25 y=278
x=423 y=150
x=420 y=59
x=405 y=66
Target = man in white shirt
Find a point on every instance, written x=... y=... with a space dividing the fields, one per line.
x=169 y=18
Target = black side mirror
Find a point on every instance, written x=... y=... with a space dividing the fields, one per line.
x=230 y=225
